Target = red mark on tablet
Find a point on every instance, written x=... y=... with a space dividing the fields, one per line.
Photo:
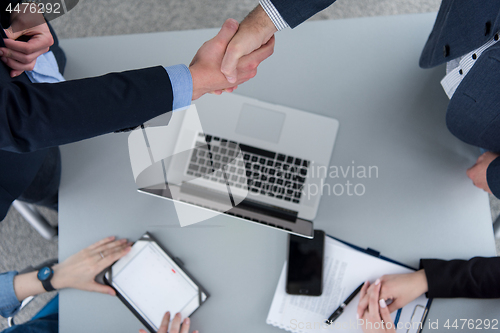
x=173 y=270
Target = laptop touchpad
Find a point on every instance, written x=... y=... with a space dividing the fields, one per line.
x=260 y=123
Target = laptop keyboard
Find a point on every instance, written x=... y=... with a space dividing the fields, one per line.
x=268 y=173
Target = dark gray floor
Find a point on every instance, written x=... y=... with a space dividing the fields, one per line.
x=20 y=245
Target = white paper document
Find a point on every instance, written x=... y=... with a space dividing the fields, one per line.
x=345 y=269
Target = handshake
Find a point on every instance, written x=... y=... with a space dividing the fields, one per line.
x=221 y=64
x=230 y=58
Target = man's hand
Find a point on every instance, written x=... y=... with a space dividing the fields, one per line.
x=205 y=67
x=477 y=173
x=255 y=30
x=176 y=325
x=28 y=38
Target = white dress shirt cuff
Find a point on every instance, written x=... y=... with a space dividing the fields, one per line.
x=273 y=14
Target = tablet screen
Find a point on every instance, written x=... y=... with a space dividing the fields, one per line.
x=153 y=283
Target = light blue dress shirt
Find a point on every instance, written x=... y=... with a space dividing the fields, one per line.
x=182 y=86
x=8 y=300
x=46 y=70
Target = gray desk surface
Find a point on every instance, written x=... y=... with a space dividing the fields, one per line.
x=364 y=72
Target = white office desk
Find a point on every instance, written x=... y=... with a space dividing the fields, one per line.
x=363 y=72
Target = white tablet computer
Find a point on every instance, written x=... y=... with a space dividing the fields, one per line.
x=150 y=282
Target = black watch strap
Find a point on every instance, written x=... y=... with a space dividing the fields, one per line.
x=47 y=285
x=44 y=275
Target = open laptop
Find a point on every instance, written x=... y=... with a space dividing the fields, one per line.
x=256 y=161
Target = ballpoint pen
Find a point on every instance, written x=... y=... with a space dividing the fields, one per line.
x=341 y=307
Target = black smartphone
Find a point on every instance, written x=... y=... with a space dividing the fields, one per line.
x=305 y=264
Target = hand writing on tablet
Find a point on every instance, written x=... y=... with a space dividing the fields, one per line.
x=176 y=325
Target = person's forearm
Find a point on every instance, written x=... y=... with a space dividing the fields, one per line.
x=26 y=285
x=421 y=282
x=474 y=278
x=37 y=116
x=259 y=19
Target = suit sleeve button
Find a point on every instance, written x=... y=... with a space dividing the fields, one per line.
x=446 y=50
x=487 y=28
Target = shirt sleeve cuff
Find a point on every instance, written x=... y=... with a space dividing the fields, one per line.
x=9 y=304
x=46 y=70
x=428 y=265
x=273 y=14
x=182 y=86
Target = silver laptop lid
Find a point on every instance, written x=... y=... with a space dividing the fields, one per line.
x=258 y=180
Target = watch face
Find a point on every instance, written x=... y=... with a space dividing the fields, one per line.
x=44 y=273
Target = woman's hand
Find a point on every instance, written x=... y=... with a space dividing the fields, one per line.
x=403 y=288
x=79 y=270
x=176 y=325
x=375 y=316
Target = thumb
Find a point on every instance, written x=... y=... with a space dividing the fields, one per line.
x=469 y=171
x=13 y=35
x=227 y=31
x=232 y=55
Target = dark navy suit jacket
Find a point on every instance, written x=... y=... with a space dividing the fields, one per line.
x=34 y=117
x=473 y=115
x=461 y=26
